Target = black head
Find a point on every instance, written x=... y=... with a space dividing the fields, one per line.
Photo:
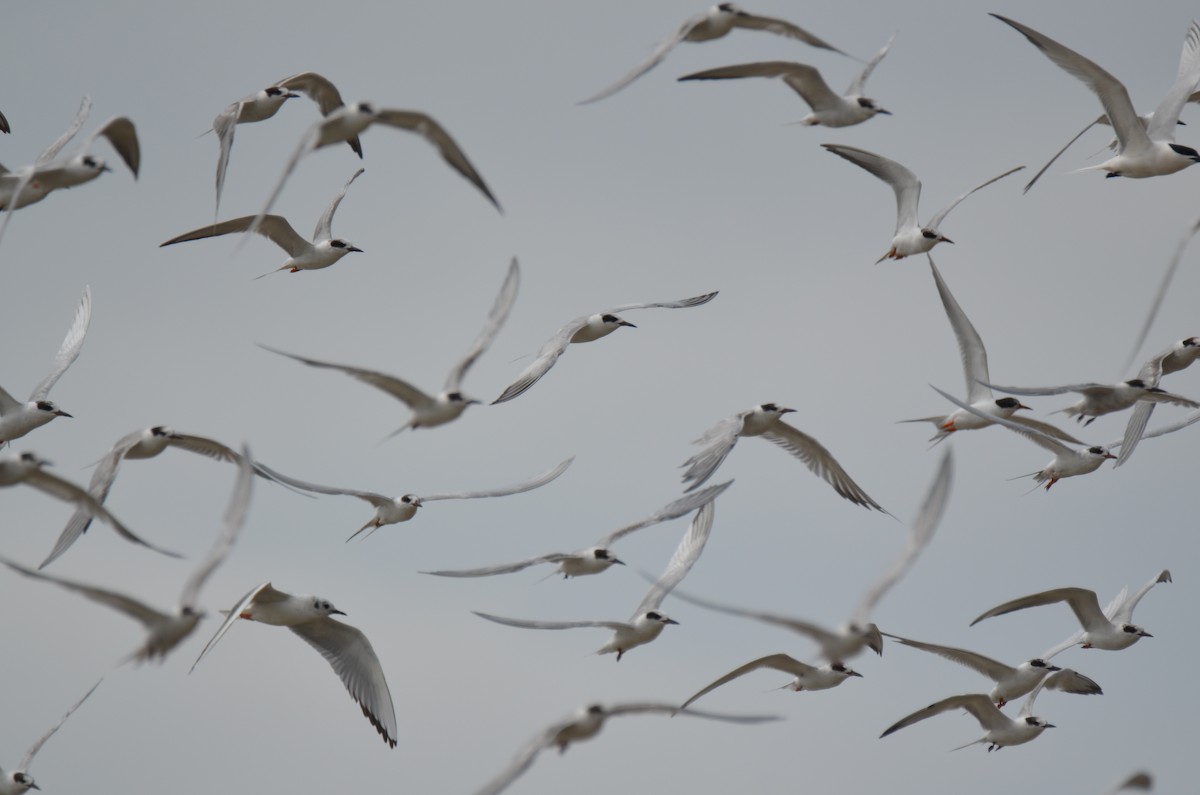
x=929 y=234
x=1033 y=721
x=653 y=616
x=25 y=780
x=1186 y=151
x=1038 y=663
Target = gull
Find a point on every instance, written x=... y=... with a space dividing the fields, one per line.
x=164 y=631
x=1101 y=399
x=808 y=677
x=598 y=557
x=1111 y=629
x=828 y=108
x=430 y=410
x=1175 y=358
x=264 y=104
x=323 y=251
x=588 y=328
x=1011 y=683
x=586 y=723
x=859 y=632
x=766 y=421
x=18 y=419
x=140 y=444
x=19 y=781
x=27 y=468
x=647 y=622
x=1001 y=730
x=975 y=370
x=390 y=510
x=910 y=237
x=713 y=24
x=344 y=647
x=1144 y=151
x=33 y=183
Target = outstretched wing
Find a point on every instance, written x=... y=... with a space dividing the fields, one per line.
x=69 y=350
x=425 y=126
x=685 y=556
x=27 y=759
x=324 y=229
x=674 y=510
x=495 y=319
x=532 y=483
x=779 y=662
x=820 y=462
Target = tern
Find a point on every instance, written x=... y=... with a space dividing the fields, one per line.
x=18 y=419
x=140 y=444
x=975 y=369
x=1175 y=358
x=19 y=781
x=430 y=410
x=828 y=108
x=390 y=510
x=1144 y=151
x=766 y=421
x=323 y=251
x=1101 y=399
x=165 y=631
x=344 y=647
x=1111 y=629
x=808 y=677
x=27 y=468
x=598 y=557
x=588 y=328
x=713 y=24
x=584 y=724
x=910 y=237
x=1001 y=730
x=33 y=183
x=647 y=622
x=1011 y=683
x=859 y=633
x=264 y=104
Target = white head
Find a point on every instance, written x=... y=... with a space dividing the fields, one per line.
x=843 y=669
x=1101 y=452
x=49 y=407
x=24 y=781
x=323 y=607
x=343 y=246
x=655 y=617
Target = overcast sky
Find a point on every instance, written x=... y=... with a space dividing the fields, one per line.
x=660 y=192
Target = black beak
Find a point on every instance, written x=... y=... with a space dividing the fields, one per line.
x=61 y=413
x=354 y=248
x=337 y=613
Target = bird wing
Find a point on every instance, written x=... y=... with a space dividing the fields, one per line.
x=685 y=556
x=502 y=568
x=1124 y=613
x=992 y=669
x=260 y=593
x=401 y=390
x=684 y=505
x=1163 y=430
x=780 y=662
x=27 y=759
x=1038 y=437
x=136 y=610
x=1166 y=115
x=1027 y=707
x=349 y=652
x=780 y=27
x=51 y=151
x=324 y=229
x=819 y=634
x=209 y=448
x=805 y=80
x=936 y=221
x=820 y=462
x=970 y=344
x=324 y=93
x=718 y=441
x=375 y=499
x=1164 y=285
x=859 y=83
x=1071 y=681
x=977 y=704
x=122 y=135
x=923 y=527
x=547 y=355
x=8 y=402
x=1081 y=601
x=1058 y=154
x=273 y=227
x=1046 y=428
x=524 y=624
x=1138 y=420
x=654 y=59
x=537 y=481
x=495 y=319
x=523 y=759
x=234 y=520
x=69 y=350
x=425 y=126
x=1140 y=780
x=904 y=183
x=1169 y=397
x=224 y=126
x=683 y=303
x=1110 y=90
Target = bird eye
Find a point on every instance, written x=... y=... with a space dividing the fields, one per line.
x=609 y=318
x=45 y=405
x=1128 y=628
x=1096 y=450
x=838 y=667
x=337 y=244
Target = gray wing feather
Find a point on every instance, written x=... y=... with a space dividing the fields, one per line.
x=69 y=350
x=397 y=388
x=718 y=441
x=674 y=510
x=273 y=227
x=536 y=481
x=263 y=593
x=501 y=568
x=234 y=520
x=51 y=151
x=970 y=345
x=779 y=662
x=324 y=229
x=375 y=499
x=425 y=126
x=27 y=759
x=685 y=556
x=136 y=610
x=495 y=319
x=936 y=220
x=820 y=462
x=652 y=61
x=524 y=624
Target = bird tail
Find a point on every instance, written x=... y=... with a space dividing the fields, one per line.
x=968 y=745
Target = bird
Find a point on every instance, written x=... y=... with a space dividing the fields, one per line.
x=346 y=122
x=4 y=125
x=1111 y=629
x=975 y=370
x=647 y=621
x=766 y=420
x=584 y=724
x=165 y=631
x=1101 y=399
x=713 y=24
x=808 y=677
x=1144 y=151
x=429 y=411
x=19 y=781
x=344 y=647
x=18 y=419
x=828 y=108
x=323 y=251
x=598 y=557
x=859 y=632
x=390 y=510
x=1011 y=682
x=1175 y=358
x=31 y=184
x=588 y=328
x=910 y=237
x=264 y=104
x=27 y=468
x=1163 y=288
x=1002 y=730
x=139 y=444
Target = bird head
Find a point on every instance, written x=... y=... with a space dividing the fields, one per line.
x=1134 y=629
x=842 y=668
x=323 y=607
x=936 y=236
x=24 y=780
x=869 y=104
x=50 y=408
x=1010 y=404
x=341 y=245
x=1100 y=451
x=659 y=618
x=600 y=553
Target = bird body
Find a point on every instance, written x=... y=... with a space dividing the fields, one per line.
x=1002 y=730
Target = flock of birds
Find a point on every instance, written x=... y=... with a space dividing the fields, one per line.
x=1145 y=147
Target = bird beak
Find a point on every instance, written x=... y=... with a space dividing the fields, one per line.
x=787 y=411
x=1109 y=455
x=1053 y=668
x=884 y=112
x=626 y=323
x=336 y=613
x=355 y=248
x=1022 y=406
x=946 y=240
x=36 y=787
x=854 y=673
x=670 y=621
x=61 y=413
x=1051 y=726
x=1144 y=634
x=616 y=561
x=290 y=95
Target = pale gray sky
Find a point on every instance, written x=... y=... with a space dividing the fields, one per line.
x=662 y=191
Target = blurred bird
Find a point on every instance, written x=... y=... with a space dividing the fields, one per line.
x=19 y=781
x=808 y=677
